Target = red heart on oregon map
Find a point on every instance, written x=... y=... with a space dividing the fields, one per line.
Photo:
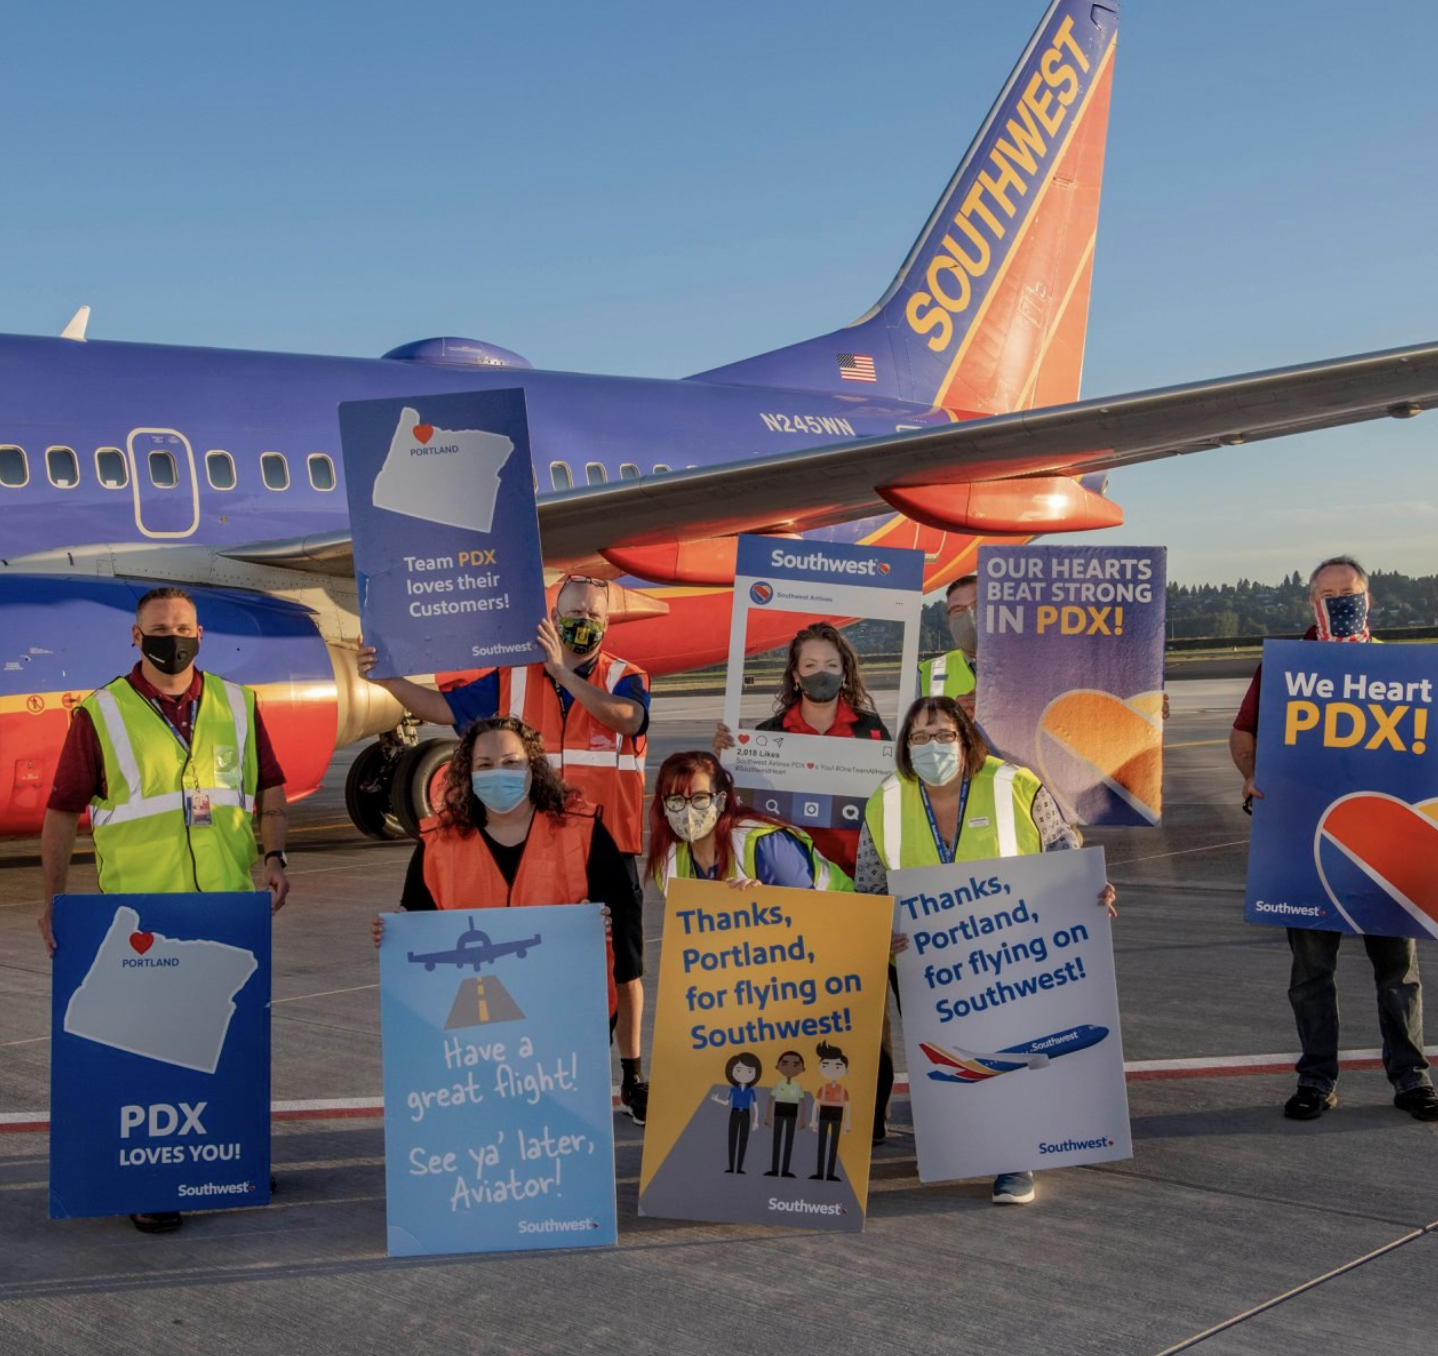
x=142 y=941
x=810 y=766
x=1103 y=755
x=424 y=432
x=1378 y=855
x=744 y=739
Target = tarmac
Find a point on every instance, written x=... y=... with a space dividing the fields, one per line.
x=1230 y=1231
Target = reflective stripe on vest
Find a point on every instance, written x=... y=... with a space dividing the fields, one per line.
x=461 y=872
x=939 y=678
x=605 y=766
x=1002 y=794
x=142 y=841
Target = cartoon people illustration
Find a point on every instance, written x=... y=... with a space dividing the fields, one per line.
x=831 y=1109
x=742 y=1099
x=786 y=1100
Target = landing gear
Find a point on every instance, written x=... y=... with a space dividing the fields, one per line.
x=368 y=789
x=418 y=789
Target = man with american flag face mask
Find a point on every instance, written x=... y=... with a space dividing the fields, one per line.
x=1338 y=593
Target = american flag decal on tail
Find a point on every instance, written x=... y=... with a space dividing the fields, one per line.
x=857 y=367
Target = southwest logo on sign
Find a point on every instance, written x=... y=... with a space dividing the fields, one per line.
x=1377 y=857
x=883 y=567
x=761 y=593
x=1087 y=732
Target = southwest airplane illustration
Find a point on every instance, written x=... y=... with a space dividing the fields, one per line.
x=970 y=1066
x=947 y=415
x=474 y=949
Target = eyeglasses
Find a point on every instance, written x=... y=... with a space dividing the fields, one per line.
x=938 y=737
x=585 y=579
x=700 y=800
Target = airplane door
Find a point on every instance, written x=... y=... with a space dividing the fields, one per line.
x=166 y=486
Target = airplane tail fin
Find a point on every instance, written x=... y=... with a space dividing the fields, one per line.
x=989 y=311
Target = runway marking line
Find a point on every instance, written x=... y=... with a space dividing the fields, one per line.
x=1135 y=1071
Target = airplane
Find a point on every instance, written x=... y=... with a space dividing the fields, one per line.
x=969 y=1066
x=473 y=949
x=945 y=417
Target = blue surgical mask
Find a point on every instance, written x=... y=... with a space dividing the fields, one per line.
x=500 y=788
x=937 y=764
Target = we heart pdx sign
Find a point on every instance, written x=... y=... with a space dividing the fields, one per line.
x=1345 y=837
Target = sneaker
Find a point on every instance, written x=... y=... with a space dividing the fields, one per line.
x=1309 y=1103
x=1013 y=1188
x=1421 y=1103
x=634 y=1098
x=158 y=1222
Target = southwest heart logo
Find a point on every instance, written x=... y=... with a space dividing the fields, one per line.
x=883 y=568
x=424 y=432
x=141 y=942
x=761 y=593
x=1377 y=857
x=1102 y=755
x=744 y=739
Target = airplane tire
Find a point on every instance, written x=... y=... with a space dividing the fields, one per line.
x=417 y=781
x=368 y=792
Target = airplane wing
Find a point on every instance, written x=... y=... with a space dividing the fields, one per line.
x=798 y=491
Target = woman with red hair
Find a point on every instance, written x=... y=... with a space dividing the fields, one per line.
x=699 y=830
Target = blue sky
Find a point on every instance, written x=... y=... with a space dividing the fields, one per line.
x=659 y=188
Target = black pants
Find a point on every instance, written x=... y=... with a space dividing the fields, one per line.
x=738 y=1137
x=786 y=1121
x=831 y=1120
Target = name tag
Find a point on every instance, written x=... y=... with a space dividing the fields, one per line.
x=979 y=823
x=197 y=809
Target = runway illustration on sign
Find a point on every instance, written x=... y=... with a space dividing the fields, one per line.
x=971 y=1066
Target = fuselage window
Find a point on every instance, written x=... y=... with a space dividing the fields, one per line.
x=559 y=475
x=111 y=468
x=322 y=471
x=628 y=471
x=14 y=469
x=163 y=474
x=63 y=467
x=275 y=470
x=595 y=474
x=220 y=470
x=660 y=469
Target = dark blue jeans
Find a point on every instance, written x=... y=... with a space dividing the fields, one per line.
x=1314 y=997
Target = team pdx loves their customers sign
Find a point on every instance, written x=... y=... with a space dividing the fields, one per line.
x=446 y=541
x=1070 y=676
x=1345 y=837
x=160 y=1053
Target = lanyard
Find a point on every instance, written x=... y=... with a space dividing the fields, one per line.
x=173 y=729
x=946 y=853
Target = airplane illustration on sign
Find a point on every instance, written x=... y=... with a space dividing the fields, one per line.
x=474 y=949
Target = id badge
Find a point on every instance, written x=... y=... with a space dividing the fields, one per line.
x=197 y=809
x=227 y=767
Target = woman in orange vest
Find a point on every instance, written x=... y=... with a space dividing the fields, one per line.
x=512 y=834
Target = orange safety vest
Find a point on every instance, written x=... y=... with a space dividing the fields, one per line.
x=605 y=766
x=461 y=872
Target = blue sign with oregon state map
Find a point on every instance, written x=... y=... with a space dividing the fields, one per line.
x=446 y=539
x=1345 y=835
x=1070 y=673
x=498 y=1123
x=160 y=1053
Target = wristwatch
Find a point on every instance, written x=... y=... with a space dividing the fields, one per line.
x=279 y=854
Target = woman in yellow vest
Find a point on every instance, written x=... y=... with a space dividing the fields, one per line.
x=512 y=834
x=949 y=801
x=699 y=830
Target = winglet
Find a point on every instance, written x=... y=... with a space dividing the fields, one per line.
x=76 y=328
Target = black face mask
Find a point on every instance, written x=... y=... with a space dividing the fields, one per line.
x=170 y=654
x=822 y=687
